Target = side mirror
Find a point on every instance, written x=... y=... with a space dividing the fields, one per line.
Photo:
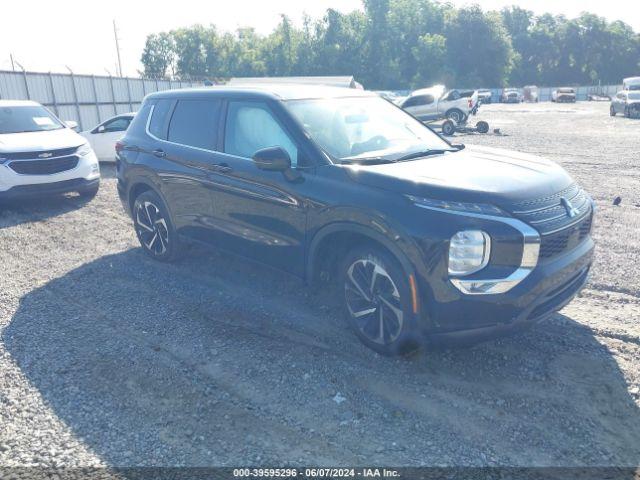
x=72 y=124
x=274 y=159
x=101 y=129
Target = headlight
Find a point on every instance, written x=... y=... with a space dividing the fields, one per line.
x=481 y=208
x=84 y=150
x=469 y=251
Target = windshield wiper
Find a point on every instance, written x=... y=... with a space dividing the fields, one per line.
x=425 y=153
x=366 y=160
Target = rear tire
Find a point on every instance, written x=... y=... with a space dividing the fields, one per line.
x=456 y=115
x=377 y=301
x=154 y=229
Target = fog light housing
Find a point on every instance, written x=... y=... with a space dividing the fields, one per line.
x=469 y=251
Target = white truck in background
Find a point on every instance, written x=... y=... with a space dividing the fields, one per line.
x=436 y=102
x=631 y=83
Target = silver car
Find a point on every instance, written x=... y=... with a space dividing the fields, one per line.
x=626 y=102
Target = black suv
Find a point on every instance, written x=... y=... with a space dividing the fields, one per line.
x=426 y=240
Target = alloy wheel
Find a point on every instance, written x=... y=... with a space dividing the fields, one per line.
x=373 y=301
x=152 y=227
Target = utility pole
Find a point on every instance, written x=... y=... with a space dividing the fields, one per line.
x=115 y=34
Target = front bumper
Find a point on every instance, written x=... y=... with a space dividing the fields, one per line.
x=85 y=175
x=547 y=289
x=45 y=189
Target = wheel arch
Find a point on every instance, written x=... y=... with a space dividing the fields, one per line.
x=333 y=241
x=137 y=189
x=345 y=231
x=453 y=109
x=144 y=184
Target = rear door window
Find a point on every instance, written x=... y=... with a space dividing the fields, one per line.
x=195 y=123
x=158 y=123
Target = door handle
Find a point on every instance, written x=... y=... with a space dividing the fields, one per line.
x=220 y=167
x=224 y=167
x=159 y=153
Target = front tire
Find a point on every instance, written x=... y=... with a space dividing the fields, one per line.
x=377 y=301
x=154 y=229
x=612 y=111
x=448 y=127
x=90 y=193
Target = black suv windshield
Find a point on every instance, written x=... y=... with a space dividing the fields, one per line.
x=27 y=118
x=352 y=128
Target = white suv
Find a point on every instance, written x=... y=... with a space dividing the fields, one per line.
x=40 y=155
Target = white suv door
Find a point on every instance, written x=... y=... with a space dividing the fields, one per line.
x=103 y=138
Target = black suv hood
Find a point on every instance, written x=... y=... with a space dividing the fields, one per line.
x=474 y=174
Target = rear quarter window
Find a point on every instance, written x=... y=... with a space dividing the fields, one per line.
x=158 y=122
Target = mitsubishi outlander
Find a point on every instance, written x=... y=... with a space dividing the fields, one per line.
x=427 y=241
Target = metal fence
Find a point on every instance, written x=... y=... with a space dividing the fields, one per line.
x=87 y=99
x=544 y=93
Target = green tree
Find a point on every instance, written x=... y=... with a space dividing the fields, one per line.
x=430 y=55
x=518 y=23
x=339 y=40
x=399 y=44
x=191 y=51
x=159 y=55
x=281 y=48
x=415 y=30
x=378 y=65
x=479 y=49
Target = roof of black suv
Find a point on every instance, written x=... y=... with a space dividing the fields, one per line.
x=279 y=92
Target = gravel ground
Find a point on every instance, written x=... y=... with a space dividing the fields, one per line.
x=109 y=358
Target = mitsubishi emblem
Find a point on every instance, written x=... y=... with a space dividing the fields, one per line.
x=568 y=206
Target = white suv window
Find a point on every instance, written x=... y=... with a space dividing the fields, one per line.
x=27 y=118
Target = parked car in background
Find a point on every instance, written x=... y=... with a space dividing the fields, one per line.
x=103 y=137
x=436 y=102
x=597 y=94
x=484 y=96
x=564 y=94
x=530 y=94
x=631 y=83
x=626 y=102
x=426 y=241
x=40 y=154
x=510 y=95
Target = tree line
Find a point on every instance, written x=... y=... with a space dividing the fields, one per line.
x=401 y=44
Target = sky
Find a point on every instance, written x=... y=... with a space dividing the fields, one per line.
x=45 y=35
